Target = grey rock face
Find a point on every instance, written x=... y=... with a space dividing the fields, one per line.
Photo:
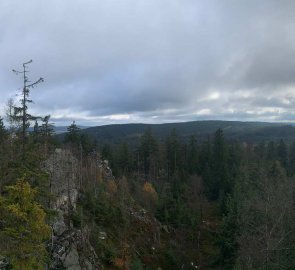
x=71 y=260
x=3 y=263
x=62 y=167
x=71 y=248
x=59 y=226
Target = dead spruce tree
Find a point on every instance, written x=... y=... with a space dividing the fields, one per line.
x=20 y=113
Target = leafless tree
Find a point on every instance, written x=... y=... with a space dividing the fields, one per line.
x=20 y=113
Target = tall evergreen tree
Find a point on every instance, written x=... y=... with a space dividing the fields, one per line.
x=193 y=166
x=291 y=160
x=124 y=159
x=220 y=185
x=172 y=152
x=46 y=132
x=271 y=153
x=260 y=150
x=147 y=149
x=73 y=134
x=3 y=131
x=266 y=221
x=282 y=154
x=4 y=150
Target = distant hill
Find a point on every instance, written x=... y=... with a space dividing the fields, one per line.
x=63 y=129
x=252 y=132
x=60 y=129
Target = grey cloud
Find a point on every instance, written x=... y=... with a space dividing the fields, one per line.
x=154 y=60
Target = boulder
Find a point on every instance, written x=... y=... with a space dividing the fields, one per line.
x=71 y=260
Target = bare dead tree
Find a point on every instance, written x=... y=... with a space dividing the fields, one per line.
x=20 y=113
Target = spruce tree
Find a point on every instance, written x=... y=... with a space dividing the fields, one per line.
x=172 y=152
x=3 y=131
x=46 y=132
x=193 y=156
x=73 y=134
x=291 y=160
x=271 y=154
x=221 y=183
x=282 y=154
x=147 y=149
x=124 y=160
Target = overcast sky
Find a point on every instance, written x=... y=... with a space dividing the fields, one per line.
x=152 y=61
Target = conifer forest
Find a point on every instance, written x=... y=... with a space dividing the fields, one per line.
x=71 y=202
x=147 y=135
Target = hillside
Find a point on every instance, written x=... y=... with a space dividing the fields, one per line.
x=252 y=132
x=58 y=129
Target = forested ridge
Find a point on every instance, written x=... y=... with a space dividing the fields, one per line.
x=156 y=204
x=250 y=132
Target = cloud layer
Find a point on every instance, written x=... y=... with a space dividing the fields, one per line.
x=111 y=61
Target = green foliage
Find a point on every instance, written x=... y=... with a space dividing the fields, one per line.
x=148 y=148
x=271 y=153
x=209 y=193
x=23 y=227
x=236 y=179
x=86 y=144
x=136 y=264
x=282 y=154
x=193 y=156
x=291 y=159
x=20 y=114
x=173 y=208
x=123 y=159
x=173 y=152
x=79 y=142
x=228 y=241
x=3 y=131
x=106 y=152
x=106 y=249
x=73 y=135
x=266 y=219
x=251 y=132
x=76 y=218
x=220 y=164
x=102 y=209
x=215 y=168
x=171 y=261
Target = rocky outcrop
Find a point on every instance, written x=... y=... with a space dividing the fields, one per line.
x=70 y=247
x=62 y=167
x=72 y=250
x=3 y=263
x=107 y=172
